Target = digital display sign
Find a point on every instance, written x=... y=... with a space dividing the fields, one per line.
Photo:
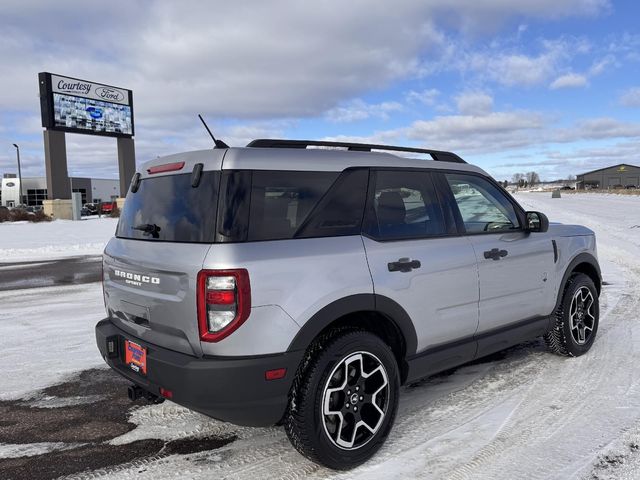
x=80 y=106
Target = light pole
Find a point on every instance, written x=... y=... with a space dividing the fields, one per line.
x=19 y=173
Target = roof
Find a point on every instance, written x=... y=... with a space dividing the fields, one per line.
x=300 y=159
x=607 y=168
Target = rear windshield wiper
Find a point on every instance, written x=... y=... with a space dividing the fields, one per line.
x=149 y=229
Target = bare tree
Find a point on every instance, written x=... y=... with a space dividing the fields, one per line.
x=532 y=178
x=516 y=177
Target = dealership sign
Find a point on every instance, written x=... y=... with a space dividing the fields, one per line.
x=81 y=106
x=82 y=88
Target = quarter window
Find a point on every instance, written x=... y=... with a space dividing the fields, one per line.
x=281 y=201
x=483 y=207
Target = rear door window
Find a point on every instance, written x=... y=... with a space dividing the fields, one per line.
x=405 y=205
x=168 y=209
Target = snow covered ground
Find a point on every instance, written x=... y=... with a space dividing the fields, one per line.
x=523 y=414
x=57 y=239
x=46 y=334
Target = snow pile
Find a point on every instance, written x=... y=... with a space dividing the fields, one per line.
x=57 y=239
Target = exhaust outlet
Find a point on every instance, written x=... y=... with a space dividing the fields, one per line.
x=134 y=392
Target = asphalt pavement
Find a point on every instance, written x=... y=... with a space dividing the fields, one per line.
x=48 y=273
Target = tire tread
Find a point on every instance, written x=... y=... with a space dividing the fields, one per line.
x=555 y=339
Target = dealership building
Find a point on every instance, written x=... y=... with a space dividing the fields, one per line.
x=34 y=190
x=616 y=176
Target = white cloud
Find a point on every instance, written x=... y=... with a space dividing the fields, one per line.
x=596 y=129
x=501 y=132
x=474 y=103
x=359 y=110
x=427 y=97
x=507 y=65
x=490 y=132
x=569 y=80
x=600 y=66
x=631 y=97
x=261 y=63
x=279 y=58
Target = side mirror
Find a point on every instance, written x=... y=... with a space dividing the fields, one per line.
x=536 y=222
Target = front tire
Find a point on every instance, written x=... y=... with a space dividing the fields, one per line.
x=576 y=319
x=344 y=399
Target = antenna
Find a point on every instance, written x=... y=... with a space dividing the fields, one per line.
x=216 y=142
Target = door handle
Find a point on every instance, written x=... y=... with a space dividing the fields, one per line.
x=495 y=254
x=403 y=265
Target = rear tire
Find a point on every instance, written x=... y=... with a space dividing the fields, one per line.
x=576 y=319
x=347 y=377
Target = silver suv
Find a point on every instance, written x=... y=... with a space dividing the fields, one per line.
x=302 y=283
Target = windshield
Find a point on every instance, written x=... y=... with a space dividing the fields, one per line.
x=169 y=209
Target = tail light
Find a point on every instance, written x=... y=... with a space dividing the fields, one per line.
x=166 y=167
x=224 y=302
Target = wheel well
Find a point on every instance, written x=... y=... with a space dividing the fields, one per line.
x=380 y=325
x=591 y=272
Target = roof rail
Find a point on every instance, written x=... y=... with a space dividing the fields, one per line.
x=437 y=155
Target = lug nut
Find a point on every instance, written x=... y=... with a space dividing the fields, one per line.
x=346 y=405
x=361 y=398
x=355 y=409
x=348 y=392
x=357 y=388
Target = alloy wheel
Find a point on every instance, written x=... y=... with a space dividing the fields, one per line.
x=355 y=400
x=581 y=315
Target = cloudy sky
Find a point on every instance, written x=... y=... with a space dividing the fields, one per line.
x=545 y=85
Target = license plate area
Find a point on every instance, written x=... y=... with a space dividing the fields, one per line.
x=135 y=357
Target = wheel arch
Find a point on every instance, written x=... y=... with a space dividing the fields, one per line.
x=582 y=263
x=375 y=313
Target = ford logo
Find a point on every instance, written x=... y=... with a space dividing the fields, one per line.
x=94 y=112
x=109 y=94
x=11 y=184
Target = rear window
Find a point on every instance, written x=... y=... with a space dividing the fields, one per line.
x=169 y=209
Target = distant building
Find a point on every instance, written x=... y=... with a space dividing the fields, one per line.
x=34 y=190
x=616 y=176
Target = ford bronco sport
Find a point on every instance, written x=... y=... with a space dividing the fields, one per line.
x=303 y=282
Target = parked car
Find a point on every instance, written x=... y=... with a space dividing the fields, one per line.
x=631 y=187
x=566 y=187
x=107 y=207
x=92 y=208
x=303 y=286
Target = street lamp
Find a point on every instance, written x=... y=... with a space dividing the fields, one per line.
x=19 y=173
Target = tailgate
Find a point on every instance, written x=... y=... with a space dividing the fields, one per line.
x=150 y=291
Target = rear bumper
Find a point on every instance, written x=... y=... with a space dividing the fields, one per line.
x=232 y=389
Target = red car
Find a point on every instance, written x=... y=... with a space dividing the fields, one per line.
x=107 y=207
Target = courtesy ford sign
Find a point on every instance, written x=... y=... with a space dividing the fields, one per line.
x=80 y=106
x=85 y=89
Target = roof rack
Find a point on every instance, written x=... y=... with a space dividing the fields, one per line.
x=437 y=155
